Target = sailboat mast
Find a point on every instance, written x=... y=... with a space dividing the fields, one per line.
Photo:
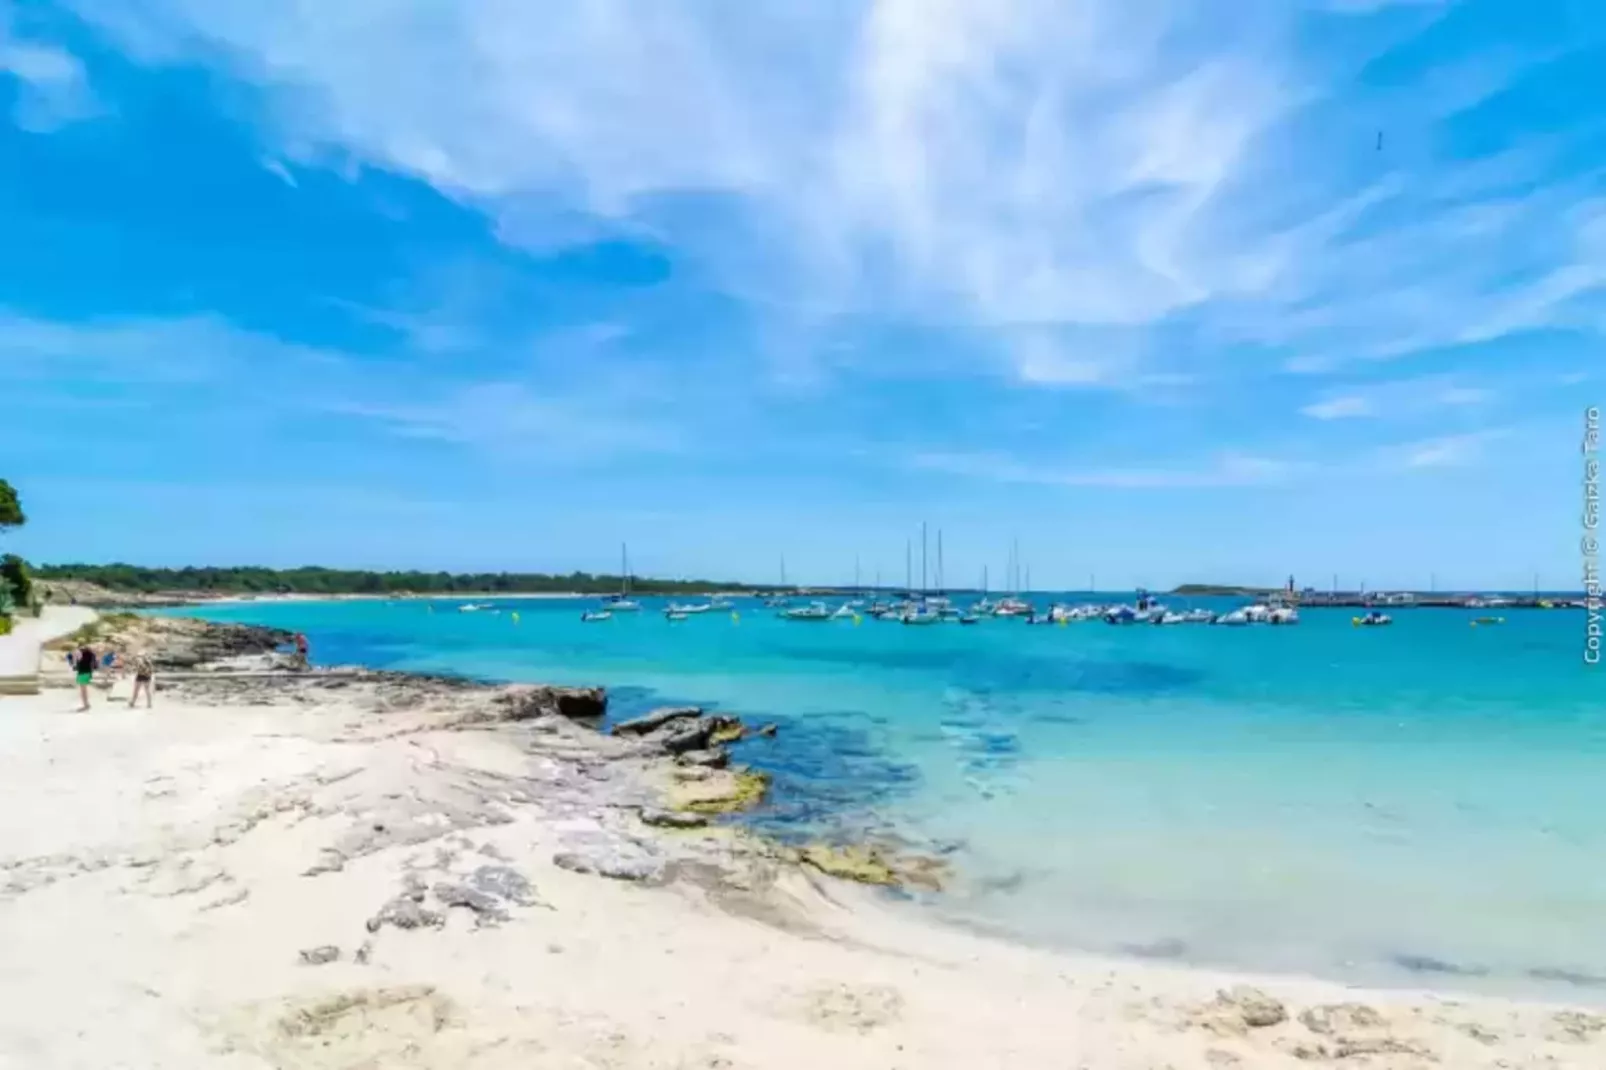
x=908 y=567
x=624 y=569
x=984 y=581
x=939 y=561
x=922 y=557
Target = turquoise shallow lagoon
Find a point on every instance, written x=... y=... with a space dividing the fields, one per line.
x=1423 y=804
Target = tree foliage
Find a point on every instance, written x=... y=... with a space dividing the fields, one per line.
x=312 y=580
x=11 y=514
x=14 y=579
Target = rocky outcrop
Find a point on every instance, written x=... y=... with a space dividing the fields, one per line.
x=1253 y=1007
x=717 y=791
x=655 y=720
x=523 y=702
x=713 y=758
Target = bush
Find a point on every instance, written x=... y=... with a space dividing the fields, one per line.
x=5 y=624
x=14 y=575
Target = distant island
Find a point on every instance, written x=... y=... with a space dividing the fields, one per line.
x=1213 y=590
x=253 y=580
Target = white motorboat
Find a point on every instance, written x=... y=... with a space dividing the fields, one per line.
x=1167 y=617
x=845 y=612
x=1012 y=607
x=922 y=615
x=1283 y=615
x=1237 y=618
x=592 y=616
x=812 y=611
x=473 y=607
x=689 y=610
x=1198 y=616
x=1257 y=613
x=1120 y=615
x=1374 y=619
x=676 y=616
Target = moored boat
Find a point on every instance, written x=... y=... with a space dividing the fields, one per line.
x=812 y=611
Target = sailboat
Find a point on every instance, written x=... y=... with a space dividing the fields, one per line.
x=621 y=602
x=780 y=600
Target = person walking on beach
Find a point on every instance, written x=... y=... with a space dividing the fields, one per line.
x=144 y=676
x=301 y=650
x=83 y=667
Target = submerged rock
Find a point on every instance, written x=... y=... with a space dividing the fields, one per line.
x=320 y=956
x=854 y=863
x=871 y=865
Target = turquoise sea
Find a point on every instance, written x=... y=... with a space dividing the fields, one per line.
x=1423 y=804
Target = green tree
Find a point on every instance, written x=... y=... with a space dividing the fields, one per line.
x=15 y=580
x=11 y=514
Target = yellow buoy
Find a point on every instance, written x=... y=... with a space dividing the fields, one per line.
x=515 y=618
x=856 y=620
x=736 y=618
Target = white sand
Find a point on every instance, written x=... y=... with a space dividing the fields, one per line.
x=153 y=903
x=19 y=651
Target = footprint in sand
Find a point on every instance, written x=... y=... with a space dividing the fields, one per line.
x=852 y=1008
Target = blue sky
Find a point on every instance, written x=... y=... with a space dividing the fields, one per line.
x=1166 y=289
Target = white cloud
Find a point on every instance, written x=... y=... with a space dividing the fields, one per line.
x=1339 y=408
x=1226 y=469
x=52 y=88
x=511 y=418
x=994 y=164
x=1399 y=398
x=1444 y=452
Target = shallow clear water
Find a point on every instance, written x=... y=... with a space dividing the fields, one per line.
x=1421 y=804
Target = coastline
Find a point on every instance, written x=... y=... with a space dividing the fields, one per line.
x=174 y=866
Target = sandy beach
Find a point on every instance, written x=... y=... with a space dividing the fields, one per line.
x=357 y=871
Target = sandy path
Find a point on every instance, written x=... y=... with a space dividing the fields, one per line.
x=163 y=872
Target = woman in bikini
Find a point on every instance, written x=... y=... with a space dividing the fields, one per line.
x=144 y=675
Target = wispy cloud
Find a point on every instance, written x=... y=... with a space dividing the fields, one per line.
x=52 y=88
x=1344 y=407
x=1007 y=164
x=1448 y=451
x=512 y=420
x=1400 y=398
x=1226 y=469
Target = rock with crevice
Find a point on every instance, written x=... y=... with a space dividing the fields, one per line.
x=712 y=758
x=320 y=956
x=652 y=722
x=1255 y=1009
x=621 y=860
x=404 y=912
x=672 y=819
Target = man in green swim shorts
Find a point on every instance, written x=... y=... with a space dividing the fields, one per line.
x=83 y=664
